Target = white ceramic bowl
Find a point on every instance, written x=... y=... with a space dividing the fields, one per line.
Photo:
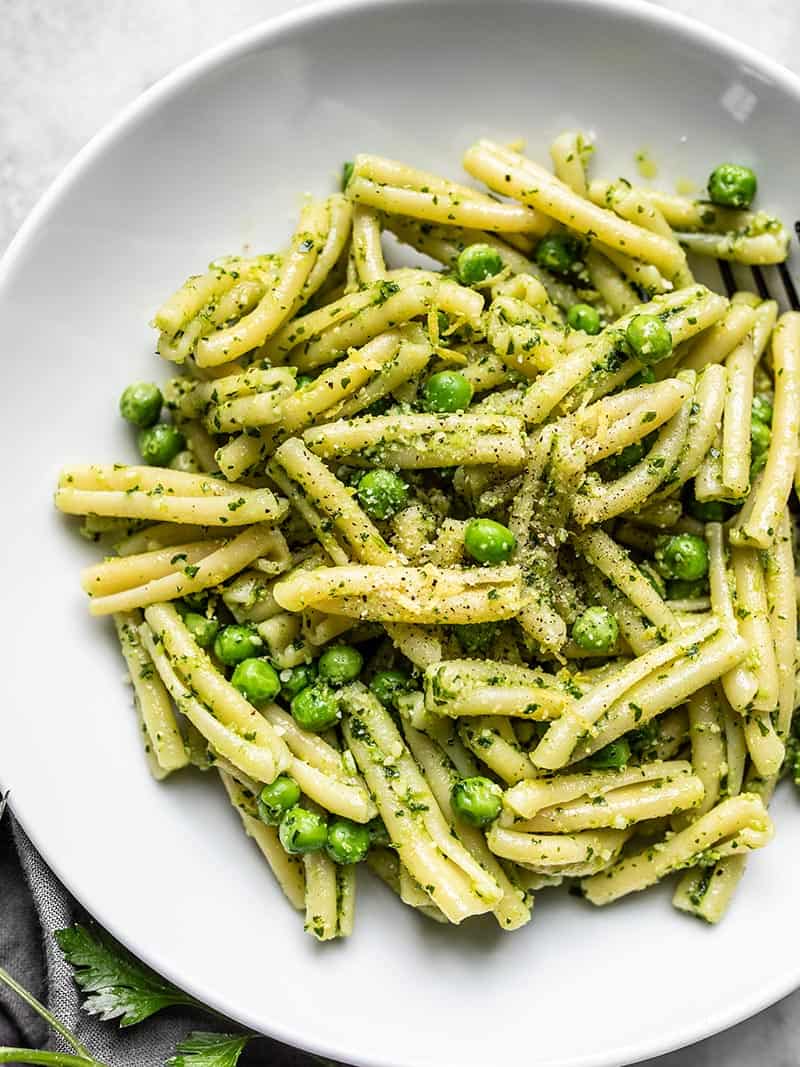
x=217 y=156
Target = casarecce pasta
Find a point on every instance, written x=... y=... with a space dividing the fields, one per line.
x=484 y=574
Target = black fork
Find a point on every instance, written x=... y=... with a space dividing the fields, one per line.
x=728 y=280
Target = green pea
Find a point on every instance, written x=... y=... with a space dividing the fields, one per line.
x=732 y=185
x=762 y=408
x=595 y=630
x=160 y=444
x=316 y=708
x=348 y=842
x=340 y=664
x=584 y=317
x=612 y=757
x=683 y=556
x=477 y=263
x=302 y=831
x=648 y=338
x=446 y=391
x=277 y=798
x=236 y=643
x=202 y=629
x=141 y=404
x=679 y=589
x=378 y=834
x=382 y=493
x=559 y=253
x=347 y=173
x=477 y=800
x=293 y=679
x=256 y=680
x=645 y=376
x=387 y=685
x=760 y=435
x=476 y=637
x=302 y=380
x=488 y=541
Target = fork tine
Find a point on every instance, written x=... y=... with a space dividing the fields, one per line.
x=788 y=281
x=789 y=286
x=761 y=285
x=728 y=279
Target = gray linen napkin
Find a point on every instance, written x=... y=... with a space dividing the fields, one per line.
x=33 y=904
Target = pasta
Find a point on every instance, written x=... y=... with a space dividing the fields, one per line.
x=481 y=575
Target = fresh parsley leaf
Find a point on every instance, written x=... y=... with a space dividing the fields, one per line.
x=209 y=1050
x=119 y=987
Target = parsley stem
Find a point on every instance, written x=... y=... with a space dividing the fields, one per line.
x=46 y=1059
x=40 y=1009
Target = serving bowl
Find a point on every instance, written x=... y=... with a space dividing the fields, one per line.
x=216 y=158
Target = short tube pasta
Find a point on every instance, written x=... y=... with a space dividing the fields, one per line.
x=397 y=594
x=599 y=502
x=282 y=297
x=784 y=447
x=568 y=152
x=620 y=808
x=687 y=312
x=457 y=883
x=764 y=745
x=320 y=770
x=512 y=910
x=493 y=742
x=558 y=743
x=197 y=675
x=668 y=689
x=152 y=493
x=571 y=855
x=400 y=190
x=717 y=343
x=737 y=823
x=422 y=441
x=530 y=797
x=740 y=684
x=367 y=250
x=782 y=606
x=288 y=870
x=616 y=565
x=163 y=737
x=445 y=569
x=616 y=290
x=510 y=173
x=183 y=577
x=739 y=367
x=704 y=421
x=707 y=891
x=326 y=493
x=480 y=687
x=706 y=731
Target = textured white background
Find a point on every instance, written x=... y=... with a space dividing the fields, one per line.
x=67 y=67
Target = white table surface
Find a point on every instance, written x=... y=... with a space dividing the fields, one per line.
x=68 y=66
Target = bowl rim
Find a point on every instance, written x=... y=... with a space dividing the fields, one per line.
x=251 y=39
